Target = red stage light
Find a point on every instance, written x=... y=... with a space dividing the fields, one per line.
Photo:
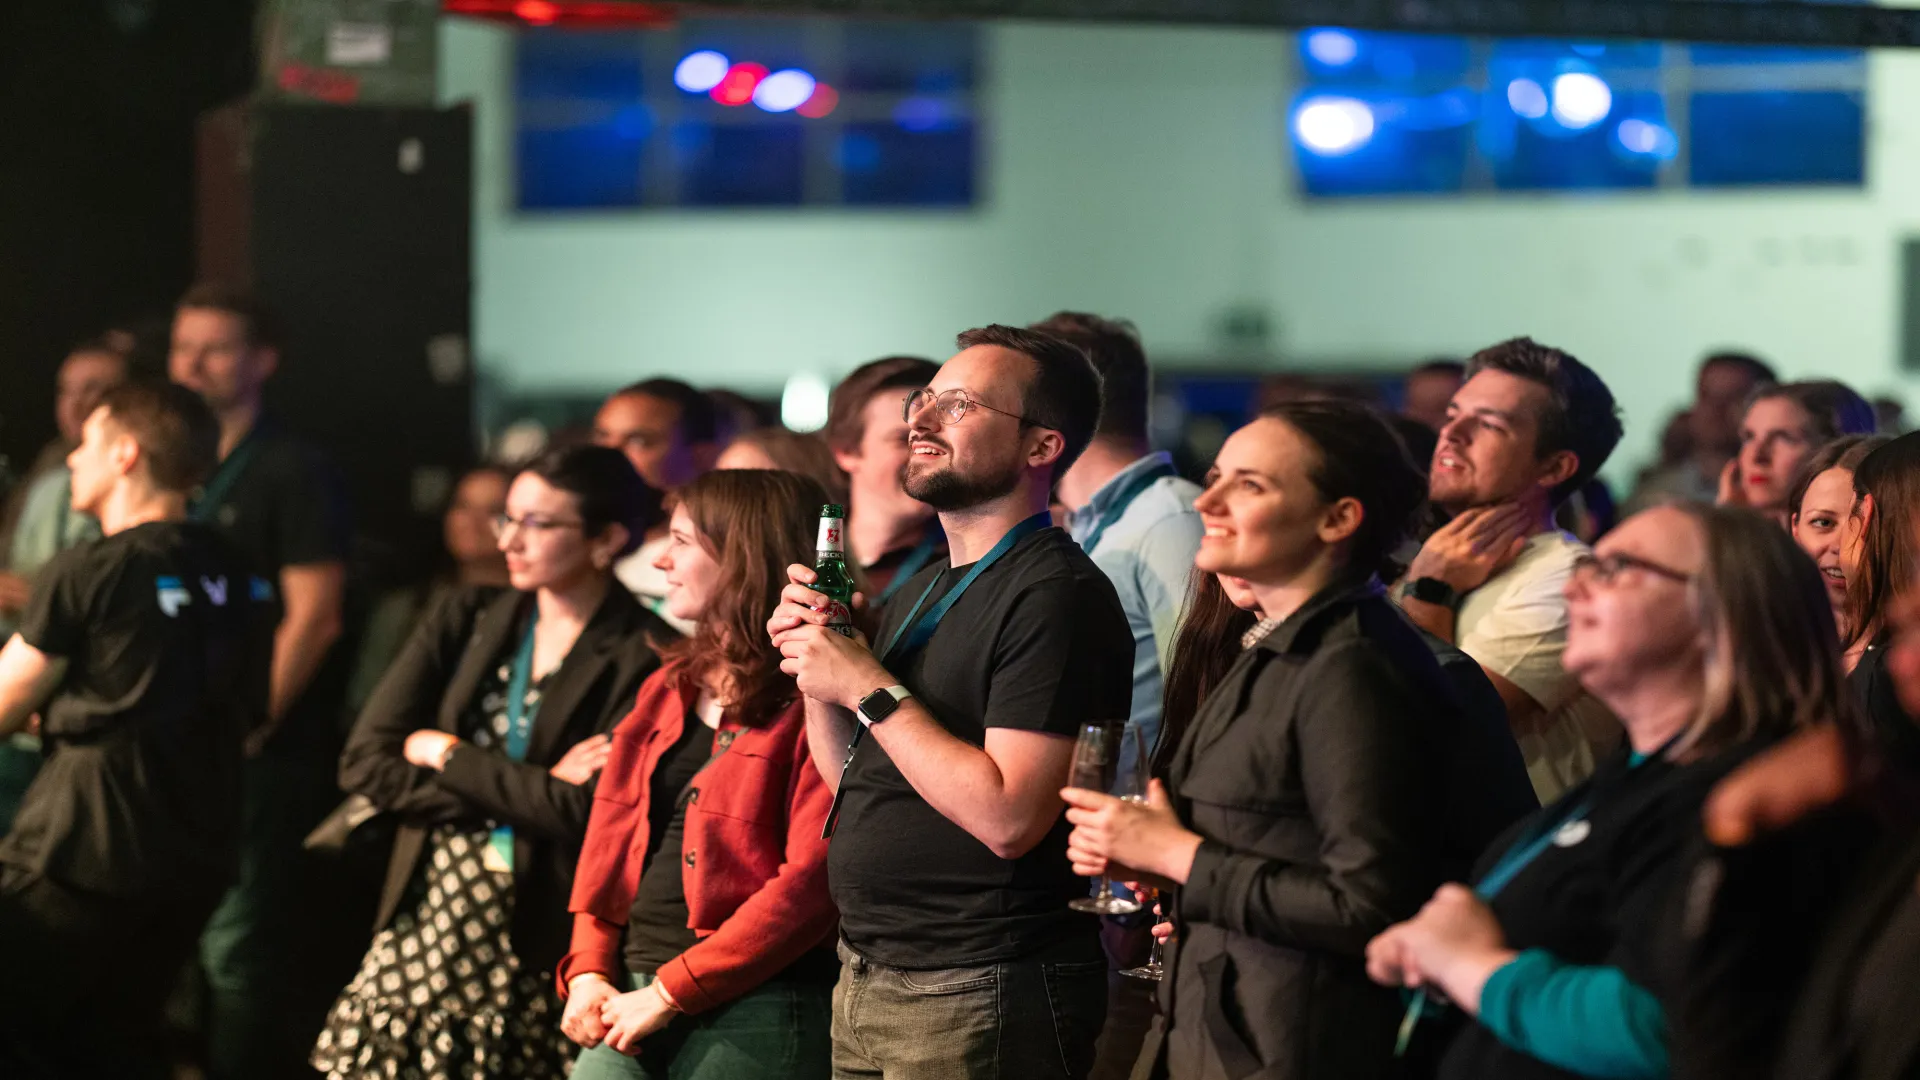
x=821 y=103
x=537 y=12
x=737 y=87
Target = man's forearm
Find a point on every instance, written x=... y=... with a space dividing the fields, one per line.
x=830 y=731
x=300 y=646
x=966 y=784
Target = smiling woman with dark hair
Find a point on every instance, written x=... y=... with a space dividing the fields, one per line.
x=1301 y=811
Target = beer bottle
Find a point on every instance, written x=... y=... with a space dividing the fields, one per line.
x=830 y=569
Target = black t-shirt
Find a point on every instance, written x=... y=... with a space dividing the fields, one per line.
x=1038 y=642
x=1602 y=893
x=657 y=928
x=167 y=638
x=284 y=504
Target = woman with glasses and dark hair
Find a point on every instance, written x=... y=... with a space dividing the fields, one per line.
x=1301 y=811
x=702 y=927
x=483 y=740
x=1707 y=633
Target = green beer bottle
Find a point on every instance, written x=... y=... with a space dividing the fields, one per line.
x=830 y=569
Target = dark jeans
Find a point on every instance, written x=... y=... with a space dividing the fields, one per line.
x=87 y=975
x=777 y=1032
x=1023 y=1020
x=251 y=951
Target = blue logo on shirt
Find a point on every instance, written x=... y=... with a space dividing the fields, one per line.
x=173 y=595
x=262 y=591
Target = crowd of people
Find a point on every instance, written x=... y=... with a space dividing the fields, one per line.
x=1417 y=762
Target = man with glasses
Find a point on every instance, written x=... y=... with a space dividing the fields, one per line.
x=1529 y=427
x=948 y=743
x=670 y=432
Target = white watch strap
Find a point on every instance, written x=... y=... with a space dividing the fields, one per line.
x=900 y=693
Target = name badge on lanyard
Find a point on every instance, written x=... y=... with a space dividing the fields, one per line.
x=914 y=633
x=498 y=855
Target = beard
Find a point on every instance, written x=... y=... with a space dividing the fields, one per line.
x=948 y=488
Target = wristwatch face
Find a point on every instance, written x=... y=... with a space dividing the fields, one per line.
x=877 y=706
x=1433 y=591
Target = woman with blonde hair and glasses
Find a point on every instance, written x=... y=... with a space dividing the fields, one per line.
x=1707 y=633
x=702 y=927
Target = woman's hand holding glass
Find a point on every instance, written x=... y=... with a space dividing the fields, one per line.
x=1129 y=841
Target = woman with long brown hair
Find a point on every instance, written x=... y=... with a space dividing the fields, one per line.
x=701 y=914
x=1822 y=501
x=1878 y=557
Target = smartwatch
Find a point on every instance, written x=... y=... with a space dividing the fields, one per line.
x=1431 y=590
x=880 y=704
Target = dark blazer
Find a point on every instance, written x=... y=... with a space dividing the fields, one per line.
x=1312 y=774
x=432 y=684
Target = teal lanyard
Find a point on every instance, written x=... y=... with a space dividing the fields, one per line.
x=1516 y=859
x=1118 y=507
x=913 y=634
x=519 y=727
x=206 y=508
x=921 y=554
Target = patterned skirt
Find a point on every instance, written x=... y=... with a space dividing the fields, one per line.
x=440 y=995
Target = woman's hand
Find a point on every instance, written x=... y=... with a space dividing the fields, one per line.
x=1731 y=492
x=428 y=748
x=1127 y=840
x=583 y=759
x=1454 y=944
x=581 y=1022
x=632 y=1017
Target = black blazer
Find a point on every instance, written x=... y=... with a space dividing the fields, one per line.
x=1314 y=773
x=432 y=683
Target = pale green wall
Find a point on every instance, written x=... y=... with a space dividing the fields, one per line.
x=1142 y=171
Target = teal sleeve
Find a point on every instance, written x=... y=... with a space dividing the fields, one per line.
x=1589 y=1020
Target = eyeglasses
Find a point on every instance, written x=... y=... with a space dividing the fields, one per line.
x=1604 y=569
x=951 y=406
x=536 y=526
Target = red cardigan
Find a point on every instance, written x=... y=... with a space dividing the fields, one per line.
x=755 y=866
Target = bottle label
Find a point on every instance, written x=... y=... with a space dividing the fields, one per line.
x=832 y=535
x=839 y=618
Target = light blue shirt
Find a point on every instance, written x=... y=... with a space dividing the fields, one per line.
x=1147 y=552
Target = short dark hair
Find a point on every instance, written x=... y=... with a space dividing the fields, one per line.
x=606 y=487
x=263 y=326
x=1126 y=382
x=1442 y=366
x=1581 y=416
x=1359 y=455
x=1064 y=393
x=1758 y=370
x=178 y=435
x=699 y=420
x=1833 y=406
x=846 y=410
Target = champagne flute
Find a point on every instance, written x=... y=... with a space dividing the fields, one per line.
x=1096 y=758
x=1155 y=968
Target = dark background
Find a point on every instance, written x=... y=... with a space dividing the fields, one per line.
x=97 y=108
